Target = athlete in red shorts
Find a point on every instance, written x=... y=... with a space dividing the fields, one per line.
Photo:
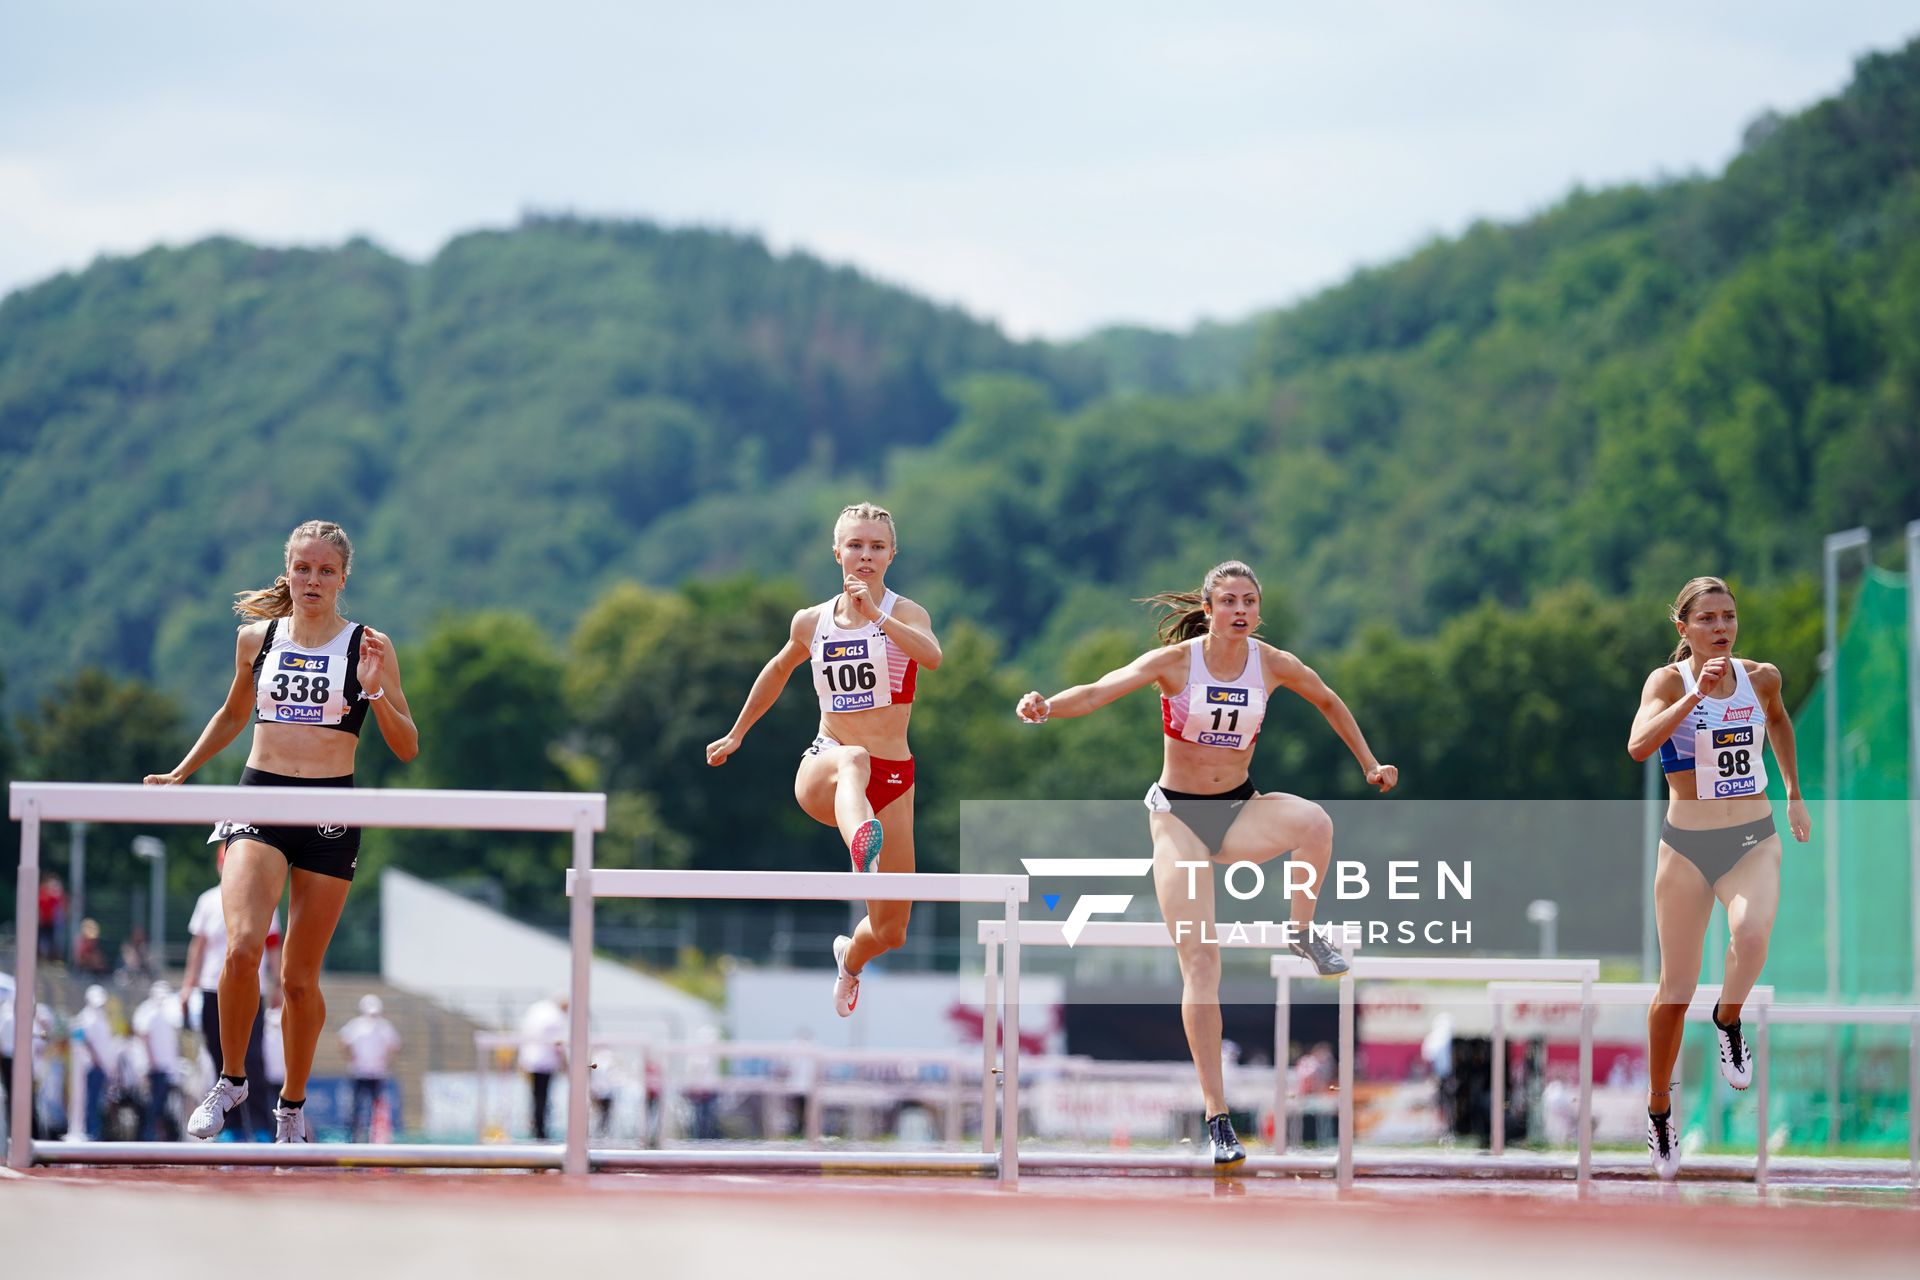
x=866 y=646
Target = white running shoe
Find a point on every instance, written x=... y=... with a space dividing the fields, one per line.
x=290 y=1124
x=846 y=986
x=865 y=849
x=1736 y=1061
x=210 y=1117
x=1662 y=1149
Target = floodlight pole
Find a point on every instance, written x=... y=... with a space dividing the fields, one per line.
x=1837 y=545
x=1913 y=744
x=154 y=850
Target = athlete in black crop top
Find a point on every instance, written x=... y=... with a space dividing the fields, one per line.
x=304 y=677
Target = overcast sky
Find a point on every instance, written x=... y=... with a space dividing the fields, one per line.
x=1051 y=166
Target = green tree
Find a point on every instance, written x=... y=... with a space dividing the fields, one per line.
x=96 y=728
x=486 y=691
x=655 y=676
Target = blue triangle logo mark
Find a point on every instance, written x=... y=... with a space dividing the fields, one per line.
x=1051 y=899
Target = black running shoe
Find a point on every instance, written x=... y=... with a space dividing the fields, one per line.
x=1314 y=948
x=1227 y=1151
x=1736 y=1064
x=1662 y=1151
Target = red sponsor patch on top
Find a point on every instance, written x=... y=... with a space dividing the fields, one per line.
x=1736 y=714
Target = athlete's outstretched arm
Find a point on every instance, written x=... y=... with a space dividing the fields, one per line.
x=1150 y=667
x=1766 y=683
x=1291 y=673
x=232 y=716
x=766 y=686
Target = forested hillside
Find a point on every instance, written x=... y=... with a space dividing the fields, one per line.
x=590 y=462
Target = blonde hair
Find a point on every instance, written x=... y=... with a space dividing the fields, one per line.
x=276 y=601
x=1683 y=608
x=865 y=511
x=1187 y=614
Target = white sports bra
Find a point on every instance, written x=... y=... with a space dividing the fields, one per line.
x=1214 y=712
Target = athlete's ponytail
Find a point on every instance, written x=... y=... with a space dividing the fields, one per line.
x=1186 y=615
x=1683 y=609
x=276 y=601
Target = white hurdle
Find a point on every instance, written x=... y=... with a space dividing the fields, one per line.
x=1590 y=995
x=1488 y=969
x=31 y=803
x=1839 y=1015
x=585 y=884
x=1285 y=968
x=655 y=1050
x=1152 y=935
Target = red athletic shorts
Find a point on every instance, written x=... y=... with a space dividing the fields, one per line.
x=887 y=780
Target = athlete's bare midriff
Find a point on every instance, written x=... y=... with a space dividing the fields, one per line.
x=882 y=731
x=301 y=751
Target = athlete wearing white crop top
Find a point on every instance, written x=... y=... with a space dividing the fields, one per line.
x=304 y=678
x=1215 y=678
x=866 y=647
x=1709 y=715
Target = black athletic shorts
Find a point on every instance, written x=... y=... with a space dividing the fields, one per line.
x=1207 y=816
x=330 y=849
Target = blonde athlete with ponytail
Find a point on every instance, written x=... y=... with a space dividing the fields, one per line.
x=866 y=646
x=1709 y=714
x=304 y=677
x=1215 y=677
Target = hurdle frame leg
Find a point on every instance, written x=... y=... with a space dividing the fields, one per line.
x=26 y=931
x=1762 y=1099
x=989 y=1046
x=1282 y=1058
x=1497 y=1122
x=1010 y=1053
x=1344 y=1168
x=1584 y=1176
x=1913 y=1094
x=579 y=1053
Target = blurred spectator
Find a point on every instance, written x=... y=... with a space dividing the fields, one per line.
x=53 y=918
x=156 y=1024
x=1313 y=1075
x=93 y=1039
x=370 y=1042
x=7 y=989
x=206 y=953
x=601 y=1090
x=543 y=1038
x=136 y=965
x=702 y=1082
x=803 y=1070
x=37 y=1073
x=91 y=958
